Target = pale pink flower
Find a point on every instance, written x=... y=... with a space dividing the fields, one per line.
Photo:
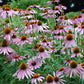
x=44 y=7
x=34 y=20
x=51 y=50
x=24 y=40
x=35 y=6
x=60 y=71
x=46 y=30
x=69 y=42
x=48 y=14
x=27 y=15
x=60 y=19
x=36 y=47
x=23 y=71
x=49 y=80
x=55 y=30
x=3 y=14
x=11 y=55
x=5 y=48
x=22 y=12
x=41 y=26
x=62 y=7
x=61 y=30
x=42 y=53
x=76 y=52
x=82 y=12
x=16 y=29
x=8 y=33
x=57 y=10
x=16 y=12
x=73 y=68
x=66 y=21
x=75 y=27
x=58 y=78
x=82 y=72
x=64 y=50
x=67 y=62
x=15 y=39
x=17 y=58
x=10 y=13
x=28 y=29
x=34 y=63
x=30 y=10
x=36 y=78
x=46 y=43
x=81 y=29
x=80 y=18
x=58 y=36
x=53 y=1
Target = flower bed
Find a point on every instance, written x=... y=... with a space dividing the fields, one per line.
x=41 y=47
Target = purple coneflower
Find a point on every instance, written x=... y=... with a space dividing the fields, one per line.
x=41 y=26
x=3 y=14
x=44 y=7
x=7 y=34
x=62 y=7
x=42 y=53
x=35 y=6
x=28 y=28
x=30 y=10
x=67 y=62
x=15 y=39
x=49 y=80
x=36 y=47
x=81 y=29
x=58 y=36
x=17 y=58
x=57 y=10
x=36 y=78
x=80 y=18
x=69 y=41
x=82 y=72
x=82 y=12
x=62 y=29
x=58 y=78
x=27 y=15
x=52 y=49
x=47 y=11
x=34 y=63
x=45 y=43
x=60 y=71
x=76 y=52
x=5 y=48
x=66 y=21
x=34 y=20
x=55 y=30
x=11 y=55
x=74 y=68
x=53 y=1
x=24 y=40
x=23 y=71
x=15 y=11
x=75 y=27
x=60 y=18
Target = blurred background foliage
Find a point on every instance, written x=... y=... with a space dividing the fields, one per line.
x=72 y=5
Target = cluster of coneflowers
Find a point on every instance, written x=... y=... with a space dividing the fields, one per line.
x=67 y=33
